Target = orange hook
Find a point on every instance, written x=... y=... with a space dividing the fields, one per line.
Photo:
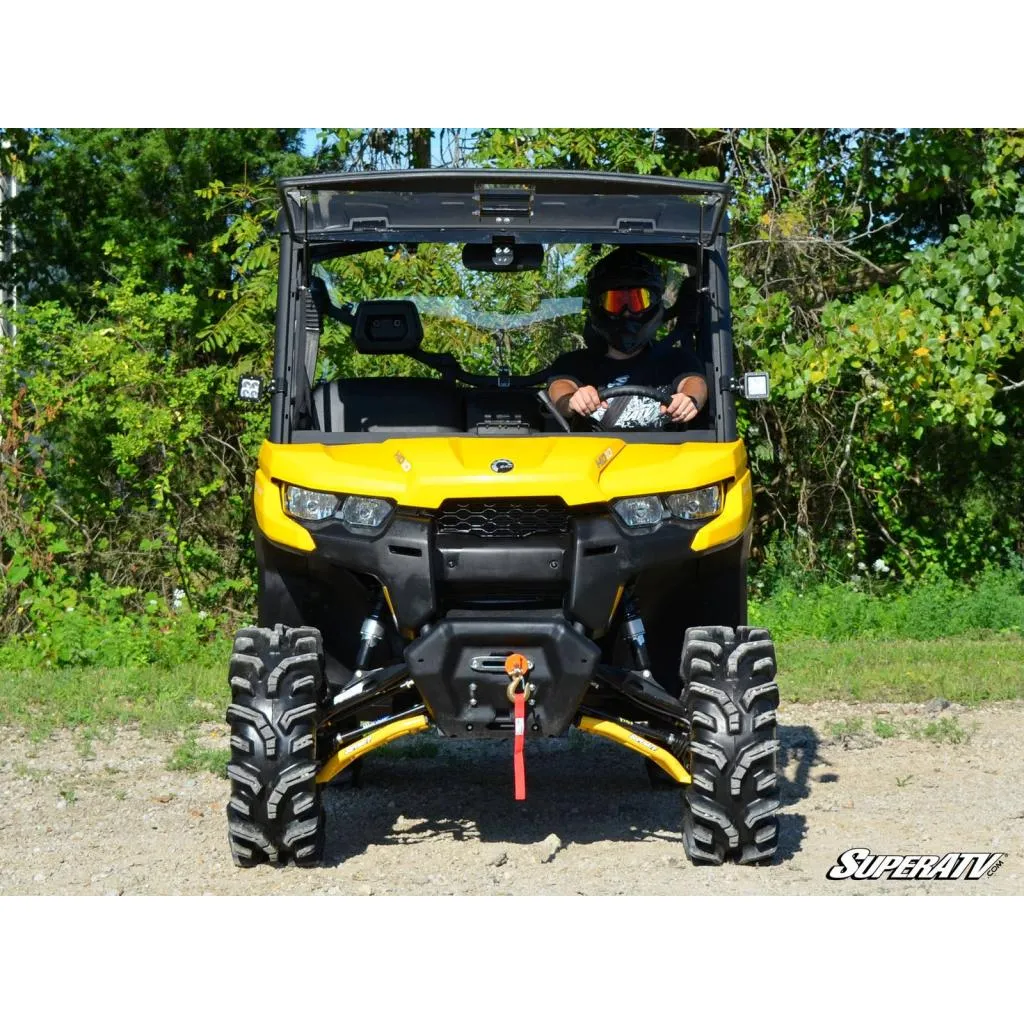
x=516 y=663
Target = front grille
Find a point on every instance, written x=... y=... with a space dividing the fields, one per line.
x=506 y=519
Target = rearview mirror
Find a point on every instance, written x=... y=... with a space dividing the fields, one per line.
x=502 y=256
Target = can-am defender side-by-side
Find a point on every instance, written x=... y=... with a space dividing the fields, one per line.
x=440 y=548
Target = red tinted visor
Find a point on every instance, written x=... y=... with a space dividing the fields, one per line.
x=621 y=300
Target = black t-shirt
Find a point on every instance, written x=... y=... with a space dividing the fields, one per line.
x=656 y=366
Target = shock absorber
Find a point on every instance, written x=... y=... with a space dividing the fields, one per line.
x=633 y=630
x=370 y=634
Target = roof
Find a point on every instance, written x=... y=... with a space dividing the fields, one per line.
x=478 y=204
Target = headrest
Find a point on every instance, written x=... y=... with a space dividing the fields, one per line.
x=387 y=326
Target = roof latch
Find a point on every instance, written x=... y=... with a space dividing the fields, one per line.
x=635 y=224
x=504 y=202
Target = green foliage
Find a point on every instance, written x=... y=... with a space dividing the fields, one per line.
x=191 y=757
x=871 y=607
x=124 y=459
x=97 y=203
x=946 y=730
x=876 y=275
x=964 y=670
x=630 y=150
x=883 y=729
x=846 y=728
x=156 y=699
x=893 y=409
x=107 y=626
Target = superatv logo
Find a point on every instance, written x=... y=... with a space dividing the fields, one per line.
x=862 y=864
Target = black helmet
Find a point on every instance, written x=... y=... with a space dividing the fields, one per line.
x=624 y=299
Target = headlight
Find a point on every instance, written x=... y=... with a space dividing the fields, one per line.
x=700 y=504
x=644 y=511
x=354 y=511
x=310 y=505
x=368 y=512
x=649 y=510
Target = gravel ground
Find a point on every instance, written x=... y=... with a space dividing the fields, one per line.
x=437 y=817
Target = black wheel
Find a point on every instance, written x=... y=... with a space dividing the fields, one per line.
x=277 y=692
x=729 y=689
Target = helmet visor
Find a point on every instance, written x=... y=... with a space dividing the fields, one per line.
x=617 y=301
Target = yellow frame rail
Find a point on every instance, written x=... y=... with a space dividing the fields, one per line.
x=341 y=759
x=620 y=734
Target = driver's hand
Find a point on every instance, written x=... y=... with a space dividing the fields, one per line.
x=682 y=408
x=586 y=400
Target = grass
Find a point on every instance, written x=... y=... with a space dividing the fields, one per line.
x=83 y=743
x=902 y=671
x=941 y=730
x=156 y=699
x=191 y=757
x=882 y=729
x=24 y=771
x=946 y=730
x=929 y=609
x=846 y=728
x=168 y=701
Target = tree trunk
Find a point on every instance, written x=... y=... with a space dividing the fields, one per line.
x=419 y=146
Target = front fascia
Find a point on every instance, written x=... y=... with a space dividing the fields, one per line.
x=424 y=472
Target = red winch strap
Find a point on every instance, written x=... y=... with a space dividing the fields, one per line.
x=518 y=761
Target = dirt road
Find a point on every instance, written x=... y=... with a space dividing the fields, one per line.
x=439 y=818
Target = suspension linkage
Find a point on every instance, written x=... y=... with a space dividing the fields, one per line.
x=642 y=691
x=367 y=688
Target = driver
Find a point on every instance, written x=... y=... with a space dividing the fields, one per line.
x=625 y=308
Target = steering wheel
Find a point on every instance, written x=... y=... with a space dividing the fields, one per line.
x=652 y=419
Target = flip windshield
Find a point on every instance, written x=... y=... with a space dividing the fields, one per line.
x=427 y=206
x=520 y=320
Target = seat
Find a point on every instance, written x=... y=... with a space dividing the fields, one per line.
x=404 y=405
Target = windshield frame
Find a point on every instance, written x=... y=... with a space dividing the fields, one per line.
x=714 y=333
x=472 y=205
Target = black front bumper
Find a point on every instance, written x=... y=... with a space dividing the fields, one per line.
x=458 y=668
x=429 y=573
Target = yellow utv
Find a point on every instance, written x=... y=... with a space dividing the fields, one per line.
x=441 y=548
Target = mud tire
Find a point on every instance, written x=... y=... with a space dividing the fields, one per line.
x=729 y=689
x=278 y=692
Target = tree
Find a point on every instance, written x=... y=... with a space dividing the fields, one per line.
x=96 y=202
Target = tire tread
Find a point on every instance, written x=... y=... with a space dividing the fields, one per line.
x=729 y=688
x=275 y=814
